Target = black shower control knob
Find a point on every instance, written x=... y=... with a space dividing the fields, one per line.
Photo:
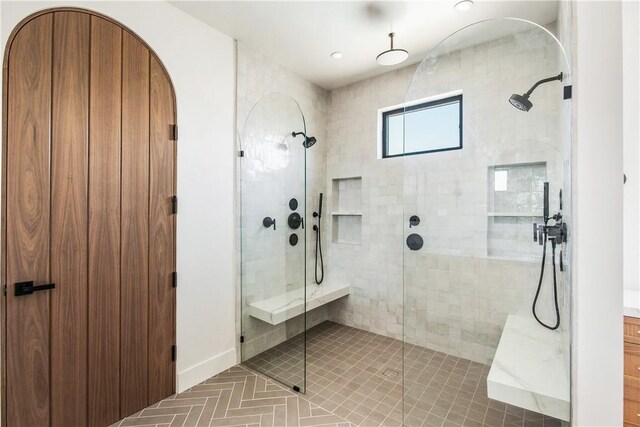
x=268 y=222
x=294 y=220
x=415 y=242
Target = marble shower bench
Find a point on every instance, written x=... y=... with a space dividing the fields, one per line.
x=280 y=308
x=529 y=369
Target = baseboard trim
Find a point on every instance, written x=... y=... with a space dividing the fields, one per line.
x=204 y=370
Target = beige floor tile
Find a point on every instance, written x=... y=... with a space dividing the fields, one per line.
x=354 y=378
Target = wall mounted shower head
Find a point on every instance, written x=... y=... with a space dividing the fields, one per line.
x=308 y=140
x=522 y=103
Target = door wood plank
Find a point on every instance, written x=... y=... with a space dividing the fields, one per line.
x=69 y=157
x=135 y=220
x=162 y=237
x=28 y=223
x=104 y=223
x=89 y=176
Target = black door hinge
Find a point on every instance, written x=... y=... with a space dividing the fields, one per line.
x=174 y=280
x=241 y=153
x=174 y=204
x=174 y=132
x=241 y=338
x=173 y=353
x=4 y=290
x=568 y=92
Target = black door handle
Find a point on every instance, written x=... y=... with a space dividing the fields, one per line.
x=27 y=288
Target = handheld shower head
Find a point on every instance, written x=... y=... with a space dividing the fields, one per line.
x=308 y=140
x=522 y=103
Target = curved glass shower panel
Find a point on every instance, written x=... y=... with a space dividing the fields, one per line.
x=472 y=264
x=272 y=246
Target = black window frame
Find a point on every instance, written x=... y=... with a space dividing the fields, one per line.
x=422 y=106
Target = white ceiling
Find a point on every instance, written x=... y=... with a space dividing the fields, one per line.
x=302 y=34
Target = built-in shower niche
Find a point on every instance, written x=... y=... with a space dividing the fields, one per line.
x=346 y=215
x=515 y=203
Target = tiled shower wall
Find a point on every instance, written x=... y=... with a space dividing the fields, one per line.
x=456 y=296
x=259 y=76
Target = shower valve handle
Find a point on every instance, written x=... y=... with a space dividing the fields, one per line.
x=538 y=233
x=268 y=222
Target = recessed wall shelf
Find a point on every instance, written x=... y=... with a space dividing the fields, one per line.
x=346 y=218
x=514 y=204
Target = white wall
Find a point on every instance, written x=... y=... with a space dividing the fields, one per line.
x=597 y=197
x=631 y=135
x=201 y=63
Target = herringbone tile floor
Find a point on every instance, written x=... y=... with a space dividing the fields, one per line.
x=354 y=378
x=237 y=397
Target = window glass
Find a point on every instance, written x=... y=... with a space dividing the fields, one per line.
x=431 y=126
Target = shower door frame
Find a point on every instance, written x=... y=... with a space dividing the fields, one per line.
x=302 y=203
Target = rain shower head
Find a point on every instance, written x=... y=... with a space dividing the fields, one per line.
x=308 y=140
x=521 y=102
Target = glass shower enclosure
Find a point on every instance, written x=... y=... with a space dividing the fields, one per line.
x=474 y=352
x=446 y=254
x=273 y=240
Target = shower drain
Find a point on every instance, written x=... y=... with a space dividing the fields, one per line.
x=390 y=373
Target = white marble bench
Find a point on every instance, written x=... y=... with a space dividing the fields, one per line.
x=529 y=369
x=279 y=308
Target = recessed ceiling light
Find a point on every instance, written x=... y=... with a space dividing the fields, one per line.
x=464 y=5
x=392 y=56
x=337 y=55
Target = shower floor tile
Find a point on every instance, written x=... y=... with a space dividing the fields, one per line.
x=354 y=378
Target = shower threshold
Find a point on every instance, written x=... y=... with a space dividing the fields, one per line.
x=280 y=308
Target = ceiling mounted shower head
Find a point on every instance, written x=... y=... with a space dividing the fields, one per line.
x=392 y=56
x=522 y=103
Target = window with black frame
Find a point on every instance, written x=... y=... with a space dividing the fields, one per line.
x=430 y=127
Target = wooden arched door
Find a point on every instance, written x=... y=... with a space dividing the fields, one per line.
x=88 y=205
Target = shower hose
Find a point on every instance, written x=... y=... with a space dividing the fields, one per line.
x=555 y=284
x=318 y=252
